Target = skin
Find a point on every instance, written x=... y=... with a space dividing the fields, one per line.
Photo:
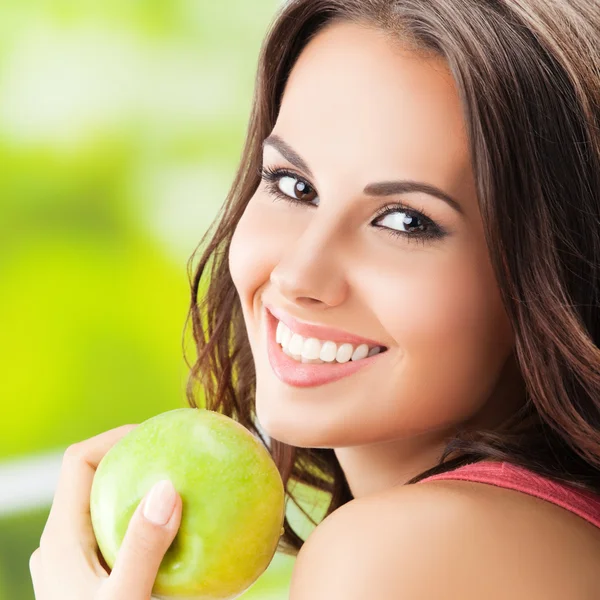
x=435 y=304
x=455 y=540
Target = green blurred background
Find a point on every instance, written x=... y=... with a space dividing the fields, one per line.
x=121 y=125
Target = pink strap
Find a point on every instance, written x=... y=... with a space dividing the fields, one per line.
x=503 y=474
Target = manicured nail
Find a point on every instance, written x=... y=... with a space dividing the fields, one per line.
x=160 y=502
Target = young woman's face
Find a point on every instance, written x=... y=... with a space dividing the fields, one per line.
x=415 y=278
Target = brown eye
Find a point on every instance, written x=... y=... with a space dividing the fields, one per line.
x=408 y=223
x=296 y=188
x=404 y=221
x=286 y=185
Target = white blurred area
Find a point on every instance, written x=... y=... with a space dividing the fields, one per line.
x=60 y=85
x=29 y=482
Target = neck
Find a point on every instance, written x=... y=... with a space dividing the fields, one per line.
x=374 y=468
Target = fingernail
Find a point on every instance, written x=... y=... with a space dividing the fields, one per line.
x=160 y=502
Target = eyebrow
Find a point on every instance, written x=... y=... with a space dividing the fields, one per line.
x=382 y=188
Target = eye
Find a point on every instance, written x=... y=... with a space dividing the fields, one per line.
x=398 y=220
x=405 y=221
x=295 y=188
x=282 y=183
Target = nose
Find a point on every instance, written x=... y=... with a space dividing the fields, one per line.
x=310 y=275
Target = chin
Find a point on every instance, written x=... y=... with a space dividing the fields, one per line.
x=283 y=426
x=285 y=432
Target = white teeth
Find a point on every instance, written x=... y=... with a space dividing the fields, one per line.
x=328 y=352
x=294 y=356
x=311 y=348
x=296 y=344
x=361 y=352
x=314 y=351
x=344 y=353
x=286 y=336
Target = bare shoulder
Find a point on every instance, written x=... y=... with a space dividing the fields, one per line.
x=449 y=539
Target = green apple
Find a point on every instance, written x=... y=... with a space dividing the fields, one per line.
x=232 y=494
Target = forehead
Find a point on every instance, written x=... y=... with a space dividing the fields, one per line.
x=357 y=102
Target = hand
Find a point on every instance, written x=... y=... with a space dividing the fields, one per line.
x=67 y=565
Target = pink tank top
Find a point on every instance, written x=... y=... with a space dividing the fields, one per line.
x=503 y=474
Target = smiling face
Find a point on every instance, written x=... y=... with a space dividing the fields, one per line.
x=405 y=269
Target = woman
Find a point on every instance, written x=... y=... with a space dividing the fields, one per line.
x=404 y=289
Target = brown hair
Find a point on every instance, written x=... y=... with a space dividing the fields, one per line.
x=528 y=75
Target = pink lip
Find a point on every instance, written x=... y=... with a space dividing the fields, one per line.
x=319 y=331
x=299 y=374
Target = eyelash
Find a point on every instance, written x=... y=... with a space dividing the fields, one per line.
x=271 y=176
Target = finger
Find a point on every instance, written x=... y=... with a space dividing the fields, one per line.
x=151 y=531
x=35 y=570
x=68 y=530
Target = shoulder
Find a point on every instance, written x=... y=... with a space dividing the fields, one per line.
x=450 y=539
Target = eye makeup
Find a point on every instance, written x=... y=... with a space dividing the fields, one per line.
x=426 y=228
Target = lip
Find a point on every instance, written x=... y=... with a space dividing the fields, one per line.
x=306 y=330
x=305 y=374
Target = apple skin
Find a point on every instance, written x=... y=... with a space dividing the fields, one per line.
x=232 y=496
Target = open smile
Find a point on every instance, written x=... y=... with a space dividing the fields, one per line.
x=307 y=374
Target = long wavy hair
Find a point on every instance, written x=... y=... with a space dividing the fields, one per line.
x=528 y=75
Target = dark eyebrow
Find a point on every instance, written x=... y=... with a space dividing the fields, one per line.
x=382 y=188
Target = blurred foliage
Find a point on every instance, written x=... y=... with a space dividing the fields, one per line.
x=120 y=127
x=121 y=124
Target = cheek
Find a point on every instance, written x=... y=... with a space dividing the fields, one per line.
x=452 y=332
x=449 y=306
x=253 y=251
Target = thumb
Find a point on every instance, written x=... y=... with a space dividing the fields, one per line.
x=151 y=531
